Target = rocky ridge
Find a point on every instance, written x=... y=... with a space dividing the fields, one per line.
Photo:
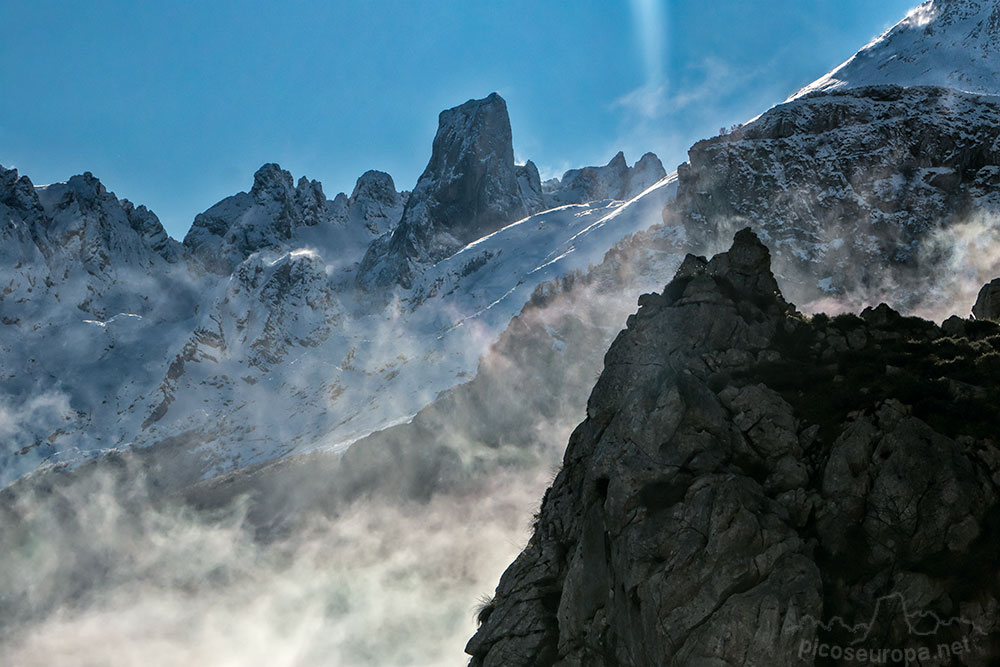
x=746 y=475
x=275 y=211
x=78 y=243
x=615 y=180
x=865 y=195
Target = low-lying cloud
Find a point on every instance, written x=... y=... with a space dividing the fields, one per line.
x=90 y=579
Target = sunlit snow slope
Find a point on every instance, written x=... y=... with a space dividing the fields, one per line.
x=946 y=43
x=283 y=354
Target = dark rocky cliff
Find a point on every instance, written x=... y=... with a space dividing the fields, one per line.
x=751 y=485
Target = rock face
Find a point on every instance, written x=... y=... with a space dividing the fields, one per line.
x=226 y=234
x=148 y=226
x=988 y=304
x=615 y=180
x=471 y=187
x=375 y=202
x=530 y=185
x=22 y=227
x=854 y=190
x=750 y=485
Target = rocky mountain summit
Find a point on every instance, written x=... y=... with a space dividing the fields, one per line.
x=276 y=210
x=471 y=187
x=750 y=483
x=615 y=180
x=374 y=201
x=76 y=242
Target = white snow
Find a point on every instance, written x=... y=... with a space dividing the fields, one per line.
x=946 y=43
x=284 y=355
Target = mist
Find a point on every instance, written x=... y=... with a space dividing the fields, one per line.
x=377 y=556
x=92 y=579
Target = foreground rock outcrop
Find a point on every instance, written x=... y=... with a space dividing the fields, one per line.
x=753 y=487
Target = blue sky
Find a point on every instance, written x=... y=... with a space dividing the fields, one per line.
x=174 y=105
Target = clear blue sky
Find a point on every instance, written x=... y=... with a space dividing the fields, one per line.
x=174 y=105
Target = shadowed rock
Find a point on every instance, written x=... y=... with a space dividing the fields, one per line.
x=988 y=303
x=748 y=482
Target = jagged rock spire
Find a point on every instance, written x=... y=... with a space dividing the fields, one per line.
x=469 y=189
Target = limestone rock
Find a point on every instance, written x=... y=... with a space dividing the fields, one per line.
x=745 y=477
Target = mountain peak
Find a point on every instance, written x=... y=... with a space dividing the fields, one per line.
x=745 y=268
x=376 y=185
x=17 y=192
x=468 y=190
x=470 y=123
x=86 y=186
x=944 y=43
x=271 y=179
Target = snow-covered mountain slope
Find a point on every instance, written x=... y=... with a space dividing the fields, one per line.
x=251 y=339
x=84 y=275
x=945 y=43
x=868 y=194
x=300 y=364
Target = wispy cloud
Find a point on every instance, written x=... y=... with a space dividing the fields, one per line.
x=667 y=116
x=707 y=82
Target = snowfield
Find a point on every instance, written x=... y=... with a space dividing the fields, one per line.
x=284 y=355
x=946 y=43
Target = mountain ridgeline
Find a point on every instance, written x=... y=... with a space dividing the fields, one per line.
x=750 y=484
x=746 y=475
x=866 y=193
x=471 y=187
x=160 y=329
